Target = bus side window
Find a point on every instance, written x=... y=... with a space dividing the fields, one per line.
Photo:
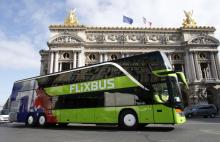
x=109 y=99
x=124 y=99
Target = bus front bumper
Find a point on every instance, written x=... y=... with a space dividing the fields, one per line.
x=179 y=117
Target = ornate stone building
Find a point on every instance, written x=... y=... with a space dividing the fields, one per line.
x=191 y=49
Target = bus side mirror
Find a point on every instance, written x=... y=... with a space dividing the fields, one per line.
x=182 y=78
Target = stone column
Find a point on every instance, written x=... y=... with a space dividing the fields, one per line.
x=81 y=59
x=100 y=57
x=192 y=69
x=122 y=55
x=182 y=67
x=42 y=68
x=51 y=62
x=56 y=62
x=105 y=57
x=169 y=57
x=187 y=65
x=197 y=67
x=60 y=66
x=74 y=59
x=213 y=67
x=217 y=64
x=77 y=59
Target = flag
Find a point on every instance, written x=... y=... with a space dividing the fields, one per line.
x=127 y=20
x=147 y=22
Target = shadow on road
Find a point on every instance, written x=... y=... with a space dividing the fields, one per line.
x=204 y=120
x=102 y=128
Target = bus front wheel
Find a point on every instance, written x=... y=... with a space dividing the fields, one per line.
x=128 y=119
x=42 y=120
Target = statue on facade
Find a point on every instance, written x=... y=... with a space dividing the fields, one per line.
x=71 y=19
x=202 y=95
x=189 y=21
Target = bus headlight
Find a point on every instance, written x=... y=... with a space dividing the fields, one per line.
x=179 y=111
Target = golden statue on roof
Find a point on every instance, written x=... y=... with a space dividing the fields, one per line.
x=189 y=21
x=71 y=19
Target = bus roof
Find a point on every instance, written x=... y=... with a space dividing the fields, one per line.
x=162 y=54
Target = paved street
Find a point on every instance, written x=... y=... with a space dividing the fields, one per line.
x=196 y=130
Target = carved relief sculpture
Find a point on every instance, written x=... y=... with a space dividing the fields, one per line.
x=100 y=38
x=65 y=39
x=112 y=37
x=121 y=38
x=90 y=37
x=132 y=37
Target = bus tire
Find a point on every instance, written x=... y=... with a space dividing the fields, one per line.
x=42 y=121
x=30 y=121
x=128 y=120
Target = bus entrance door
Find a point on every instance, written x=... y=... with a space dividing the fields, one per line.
x=163 y=114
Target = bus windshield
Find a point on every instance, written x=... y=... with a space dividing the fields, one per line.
x=166 y=89
x=175 y=89
x=160 y=91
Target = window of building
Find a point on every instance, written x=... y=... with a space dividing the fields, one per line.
x=203 y=56
x=65 y=66
x=114 y=57
x=205 y=70
x=66 y=55
x=92 y=57
x=177 y=67
x=176 y=57
x=45 y=72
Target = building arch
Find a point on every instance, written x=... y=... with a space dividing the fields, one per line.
x=204 y=40
x=65 y=39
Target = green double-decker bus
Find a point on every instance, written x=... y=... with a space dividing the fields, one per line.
x=129 y=92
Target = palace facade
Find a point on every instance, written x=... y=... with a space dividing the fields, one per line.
x=191 y=49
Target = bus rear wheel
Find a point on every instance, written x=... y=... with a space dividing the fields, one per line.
x=42 y=120
x=30 y=120
x=128 y=120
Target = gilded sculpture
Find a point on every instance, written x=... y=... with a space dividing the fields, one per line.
x=71 y=19
x=189 y=21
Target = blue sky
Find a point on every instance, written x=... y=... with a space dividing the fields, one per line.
x=24 y=26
